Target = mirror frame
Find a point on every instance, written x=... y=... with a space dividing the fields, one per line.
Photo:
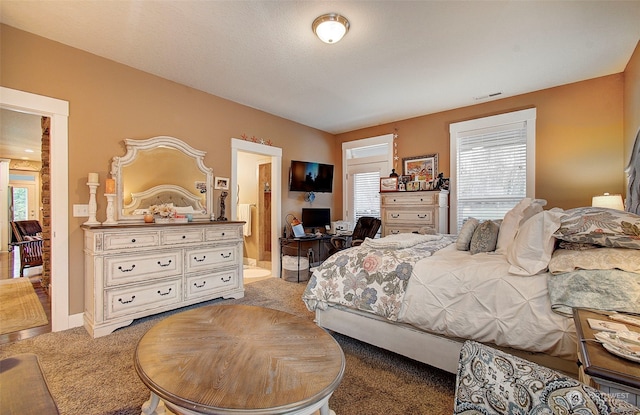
x=133 y=147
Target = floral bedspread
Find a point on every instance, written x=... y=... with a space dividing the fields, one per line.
x=371 y=279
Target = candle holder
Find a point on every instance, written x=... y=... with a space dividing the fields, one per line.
x=110 y=211
x=93 y=206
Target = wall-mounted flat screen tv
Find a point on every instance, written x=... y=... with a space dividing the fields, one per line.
x=306 y=176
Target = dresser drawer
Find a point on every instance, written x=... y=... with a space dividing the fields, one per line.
x=416 y=217
x=175 y=237
x=396 y=229
x=201 y=259
x=124 y=269
x=223 y=233
x=130 y=300
x=208 y=284
x=128 y=240
x=409 y=198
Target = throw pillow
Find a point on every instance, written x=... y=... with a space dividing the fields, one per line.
x=531 y=250
x=485 y=237
x=509 y=225
x=466 y=233
x=600 y=226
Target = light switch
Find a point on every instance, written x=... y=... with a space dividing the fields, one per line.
x=80 y=211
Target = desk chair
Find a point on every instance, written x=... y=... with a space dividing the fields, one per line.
x=366 y=227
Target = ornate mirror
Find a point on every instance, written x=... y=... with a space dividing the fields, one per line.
x=162 y=170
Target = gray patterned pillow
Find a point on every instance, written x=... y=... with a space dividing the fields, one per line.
x=600 y=226
x=466 y=233
x=485 y=237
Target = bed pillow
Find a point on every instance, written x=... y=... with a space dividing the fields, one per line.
x=463 y=242
x=564 y=260
x=600 y=226
x=509 y=225
x=531 y=250
x=484 y=237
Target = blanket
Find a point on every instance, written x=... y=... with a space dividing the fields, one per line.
x=400 y=240
x=370 y=279
x=612 y=290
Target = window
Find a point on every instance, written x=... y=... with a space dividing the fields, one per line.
x=492 y=165
x=364 y=162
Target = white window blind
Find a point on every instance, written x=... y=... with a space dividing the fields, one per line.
x=493 y=168
x=366 y=197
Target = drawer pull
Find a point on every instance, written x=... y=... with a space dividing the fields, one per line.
x=133 y=240
x=395 y=232
x=128 y=269
x=167 y=293
x=222 y=233
x=395 y=215
x=422 y=216
x=133 y=297
x=184 y=236
x=195 y=258
x=195 y=284
x=225 y=256
x=227 y=279
x=164 y=265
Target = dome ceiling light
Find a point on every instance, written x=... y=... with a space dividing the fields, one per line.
x=330 y=27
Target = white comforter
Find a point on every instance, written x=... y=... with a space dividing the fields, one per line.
x=474 y=297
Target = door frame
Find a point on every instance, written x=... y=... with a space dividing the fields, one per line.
x=238 y=145
x=58 y=111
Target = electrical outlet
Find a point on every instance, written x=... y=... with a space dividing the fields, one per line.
x=80 y=211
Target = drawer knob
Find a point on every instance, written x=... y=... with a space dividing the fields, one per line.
x=127 y=269
x=167 y=293
x=225 y=279
x=195 y=258
x=225 y=256
x=133 y=240
x=422 y=216
x=222 y=233
x=195 y=284
x=395 y=215
x=127 y=301
x=164 y=265
x=184 y=236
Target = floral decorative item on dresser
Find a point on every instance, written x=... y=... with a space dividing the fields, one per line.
x=162 y=213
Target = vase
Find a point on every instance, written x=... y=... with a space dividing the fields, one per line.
x=148 y=218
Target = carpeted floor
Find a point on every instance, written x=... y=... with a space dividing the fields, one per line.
x=96 y=376
x=20 y=308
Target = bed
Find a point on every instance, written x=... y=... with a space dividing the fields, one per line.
x=422 y=296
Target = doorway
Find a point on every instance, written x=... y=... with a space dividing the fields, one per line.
x=266 y=165
x=58 y=111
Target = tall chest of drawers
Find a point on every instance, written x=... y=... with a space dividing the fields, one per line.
x=133 y=271
x=406 y=212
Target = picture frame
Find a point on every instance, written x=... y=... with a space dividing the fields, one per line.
x=421 y=168
x=413 y=186
x=389 y=184
x=221 y=183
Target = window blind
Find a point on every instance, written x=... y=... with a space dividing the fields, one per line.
x=491 y=171
x=366 y=198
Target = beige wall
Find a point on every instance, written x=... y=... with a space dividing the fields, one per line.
x=109 y=102
x=579 y=141
x=631 y=102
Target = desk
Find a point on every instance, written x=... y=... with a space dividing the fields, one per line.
x=601 y=369
x=321 y=241
x=238 y=359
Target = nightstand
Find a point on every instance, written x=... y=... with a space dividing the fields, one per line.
x=599 y=368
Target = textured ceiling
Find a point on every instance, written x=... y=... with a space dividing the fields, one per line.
x=400 y=59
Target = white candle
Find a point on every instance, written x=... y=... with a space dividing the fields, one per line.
x=93 y=178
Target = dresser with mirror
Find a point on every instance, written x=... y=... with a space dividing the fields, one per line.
x=135 y=269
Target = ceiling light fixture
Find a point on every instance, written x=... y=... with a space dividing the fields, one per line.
x=330 y=27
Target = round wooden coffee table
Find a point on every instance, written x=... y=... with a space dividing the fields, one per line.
x=237 y=359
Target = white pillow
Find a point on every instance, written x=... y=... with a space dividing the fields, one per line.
x=509 y=225
x=531 y=250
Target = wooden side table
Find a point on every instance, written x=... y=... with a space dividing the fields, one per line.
x=238 y=359
x=601 y=369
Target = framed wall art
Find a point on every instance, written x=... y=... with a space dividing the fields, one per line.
x=388 y=184
x=221 y=183
x=421 y=167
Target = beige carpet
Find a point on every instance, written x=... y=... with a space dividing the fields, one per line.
x=96 y=376
x=20 y=307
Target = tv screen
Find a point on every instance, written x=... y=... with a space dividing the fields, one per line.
x=306 y=176
x=316 y=217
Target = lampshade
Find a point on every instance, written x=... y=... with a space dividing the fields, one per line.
x=331 y=27
x=608 y=201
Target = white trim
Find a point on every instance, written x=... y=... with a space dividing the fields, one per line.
x=276 y=189
x=455 y=129
x=364 y=142
x=58 y=111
